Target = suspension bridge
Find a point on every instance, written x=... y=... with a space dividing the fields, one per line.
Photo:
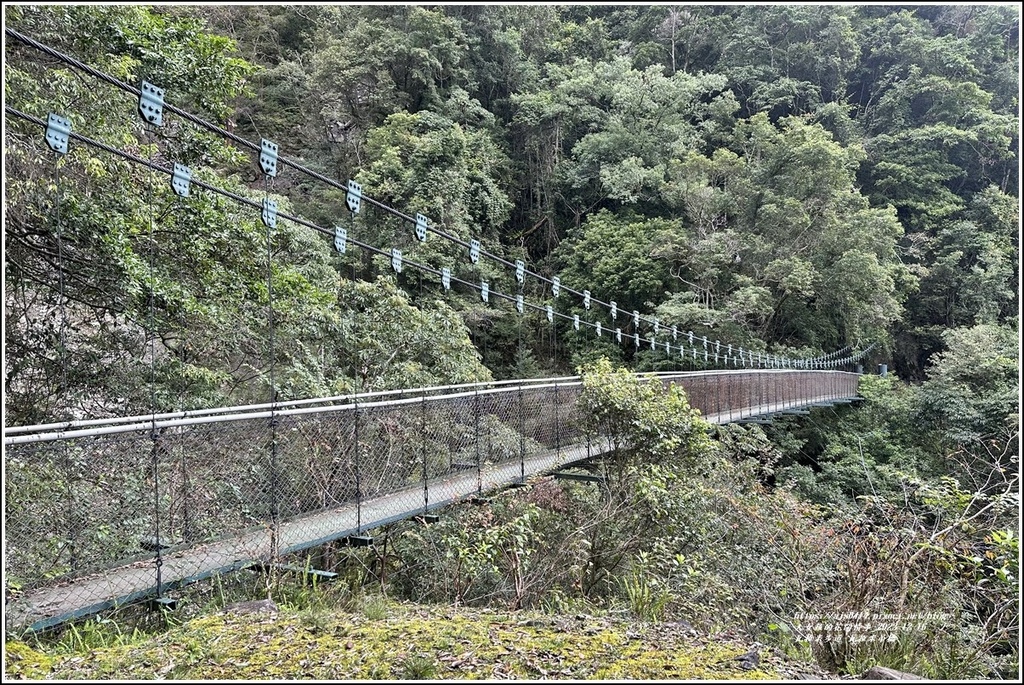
x=238 y=487
x=103 y=512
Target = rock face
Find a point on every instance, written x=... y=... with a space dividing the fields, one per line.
x=256 y=606
x=883 y=673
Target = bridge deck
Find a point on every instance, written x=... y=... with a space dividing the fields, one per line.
x=47 y=606
x=43 y=607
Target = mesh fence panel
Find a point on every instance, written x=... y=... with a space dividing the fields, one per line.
x=569 y=426
x=90 y=520
x=74 y=507
x=453 y=467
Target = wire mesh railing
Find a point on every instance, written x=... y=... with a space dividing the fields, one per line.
x=104 y=514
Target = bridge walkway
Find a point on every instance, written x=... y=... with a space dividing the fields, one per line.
x=130 y=582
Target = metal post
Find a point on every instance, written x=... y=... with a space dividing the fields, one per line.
x=780 y=390
x=159 y=560
x=63 y=450
x=728 y=397
x=476 y=411
x=522 y=437
x=359 y=484
x=151 y=334
x=558 y=433
x=748 y=382
x=423 y=450
x=785 y=389
x=275 y=512
x=718 y=394
x=775 y=388
x=762 y=389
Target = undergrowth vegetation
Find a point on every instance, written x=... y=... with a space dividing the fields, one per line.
x=323 y=641
x=693 y=523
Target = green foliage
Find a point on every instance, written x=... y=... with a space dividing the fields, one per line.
x=773 y=226
x=756 y=128
x=648 y=115
x=613 y=255
x=427 y=163
x=200 y=262
x=648 y=601
x=416 y=156
x=386 y=342
x=641 y=416
x=933 y=470
x=790 y=60
x=973 y=391
x=419 y=667
x=118 y=225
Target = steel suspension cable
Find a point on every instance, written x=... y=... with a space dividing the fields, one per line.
x=804 y=363
x=199 y=121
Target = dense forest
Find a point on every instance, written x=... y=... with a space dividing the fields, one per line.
x=793 y=179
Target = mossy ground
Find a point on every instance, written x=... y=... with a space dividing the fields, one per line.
x=409 y=642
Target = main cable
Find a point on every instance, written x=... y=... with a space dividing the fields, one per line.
x=256 y=205
x=252 y=146
x=199 y=121
x=517 y=299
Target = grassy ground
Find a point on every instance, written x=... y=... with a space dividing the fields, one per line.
x=385 y=640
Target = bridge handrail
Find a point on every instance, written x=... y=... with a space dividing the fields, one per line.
x=351 y=397
x=147 y=423
x=144 y=422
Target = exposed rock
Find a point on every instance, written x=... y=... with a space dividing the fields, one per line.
x=256 y=606
x=750 y=660
x=883 y=673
